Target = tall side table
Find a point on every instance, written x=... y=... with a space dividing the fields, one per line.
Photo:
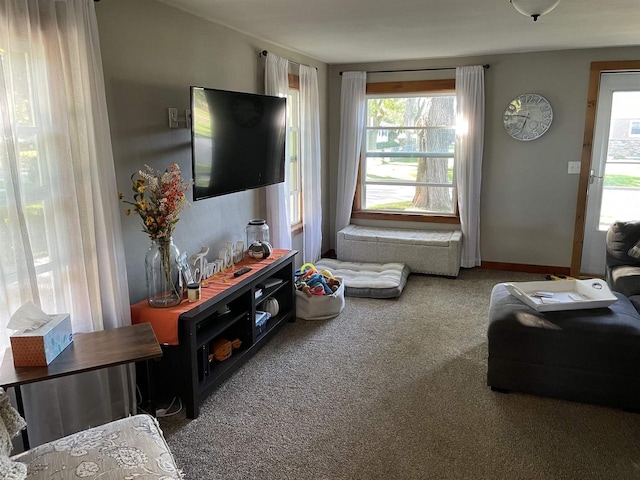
x=87 y=352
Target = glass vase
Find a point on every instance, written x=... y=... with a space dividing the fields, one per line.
x=164 y=288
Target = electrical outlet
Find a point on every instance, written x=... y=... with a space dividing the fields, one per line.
x=173 y=118
x=574 y=168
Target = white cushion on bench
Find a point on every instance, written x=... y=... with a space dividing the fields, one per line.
x=423 y=251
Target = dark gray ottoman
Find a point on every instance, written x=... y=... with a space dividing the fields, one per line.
x=584 y=355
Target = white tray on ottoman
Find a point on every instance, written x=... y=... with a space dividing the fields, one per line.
x=560 y=295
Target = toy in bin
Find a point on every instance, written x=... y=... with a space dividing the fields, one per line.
x=221 y=349
x=312 y=282
x=319 y=294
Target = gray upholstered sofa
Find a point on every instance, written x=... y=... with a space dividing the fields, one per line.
x=623 y=270
x=132 y=447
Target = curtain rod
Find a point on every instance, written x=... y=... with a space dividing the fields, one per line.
x=264 y=53
x=486 y=66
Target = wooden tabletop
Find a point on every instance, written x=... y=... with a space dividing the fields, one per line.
x=88 y=351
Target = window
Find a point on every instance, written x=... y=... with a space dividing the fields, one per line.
x=294 y=160
x=407 y=163
x=33 y=180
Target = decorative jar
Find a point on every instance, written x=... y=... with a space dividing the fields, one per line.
x=164 y=288
x=257 y=231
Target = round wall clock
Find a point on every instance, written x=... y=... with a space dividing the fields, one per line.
x=528 y=116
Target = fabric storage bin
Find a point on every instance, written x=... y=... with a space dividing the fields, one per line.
x=320 y=307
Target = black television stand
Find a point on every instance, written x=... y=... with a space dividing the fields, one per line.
x=231 y=315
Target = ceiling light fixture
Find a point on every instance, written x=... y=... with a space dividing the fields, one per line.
x=534 y=8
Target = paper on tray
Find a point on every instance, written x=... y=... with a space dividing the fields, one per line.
x=28 y=317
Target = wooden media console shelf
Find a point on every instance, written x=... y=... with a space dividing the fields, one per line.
x=231 y=315
x=227 y=309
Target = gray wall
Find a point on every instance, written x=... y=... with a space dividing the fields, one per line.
x=528 y=200
x=151 y=54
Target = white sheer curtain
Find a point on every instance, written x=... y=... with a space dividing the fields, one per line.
x=60 y=228
x=469 y=145
x=311 y=159
x=276 y=82
x=352 y=118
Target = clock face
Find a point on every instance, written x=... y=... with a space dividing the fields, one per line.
x=527 y=117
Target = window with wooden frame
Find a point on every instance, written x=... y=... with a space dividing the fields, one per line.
x=294 y=157
x=407 y=168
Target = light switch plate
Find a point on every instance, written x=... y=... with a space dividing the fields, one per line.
x=574 y=167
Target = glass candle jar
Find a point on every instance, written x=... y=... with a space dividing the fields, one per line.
x=257 y=231
x=193 y=292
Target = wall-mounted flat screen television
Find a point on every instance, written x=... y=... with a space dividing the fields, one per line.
x=237 y=141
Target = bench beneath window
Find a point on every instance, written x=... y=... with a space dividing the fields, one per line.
x=423 y=251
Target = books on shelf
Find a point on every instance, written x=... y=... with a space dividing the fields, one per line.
x=271 y=282
x=257 y=293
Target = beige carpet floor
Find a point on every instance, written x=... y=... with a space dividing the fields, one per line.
x=396 y=389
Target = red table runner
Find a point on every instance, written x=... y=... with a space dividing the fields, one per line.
x=164 y=321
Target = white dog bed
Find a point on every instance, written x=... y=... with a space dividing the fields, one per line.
x=373 y=280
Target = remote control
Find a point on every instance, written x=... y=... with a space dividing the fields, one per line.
x=242 y=271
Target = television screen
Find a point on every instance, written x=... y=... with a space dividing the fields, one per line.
x=237 y=141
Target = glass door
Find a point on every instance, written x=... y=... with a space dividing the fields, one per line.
x=614 y=181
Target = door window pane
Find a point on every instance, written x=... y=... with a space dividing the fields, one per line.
x=621 y=190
